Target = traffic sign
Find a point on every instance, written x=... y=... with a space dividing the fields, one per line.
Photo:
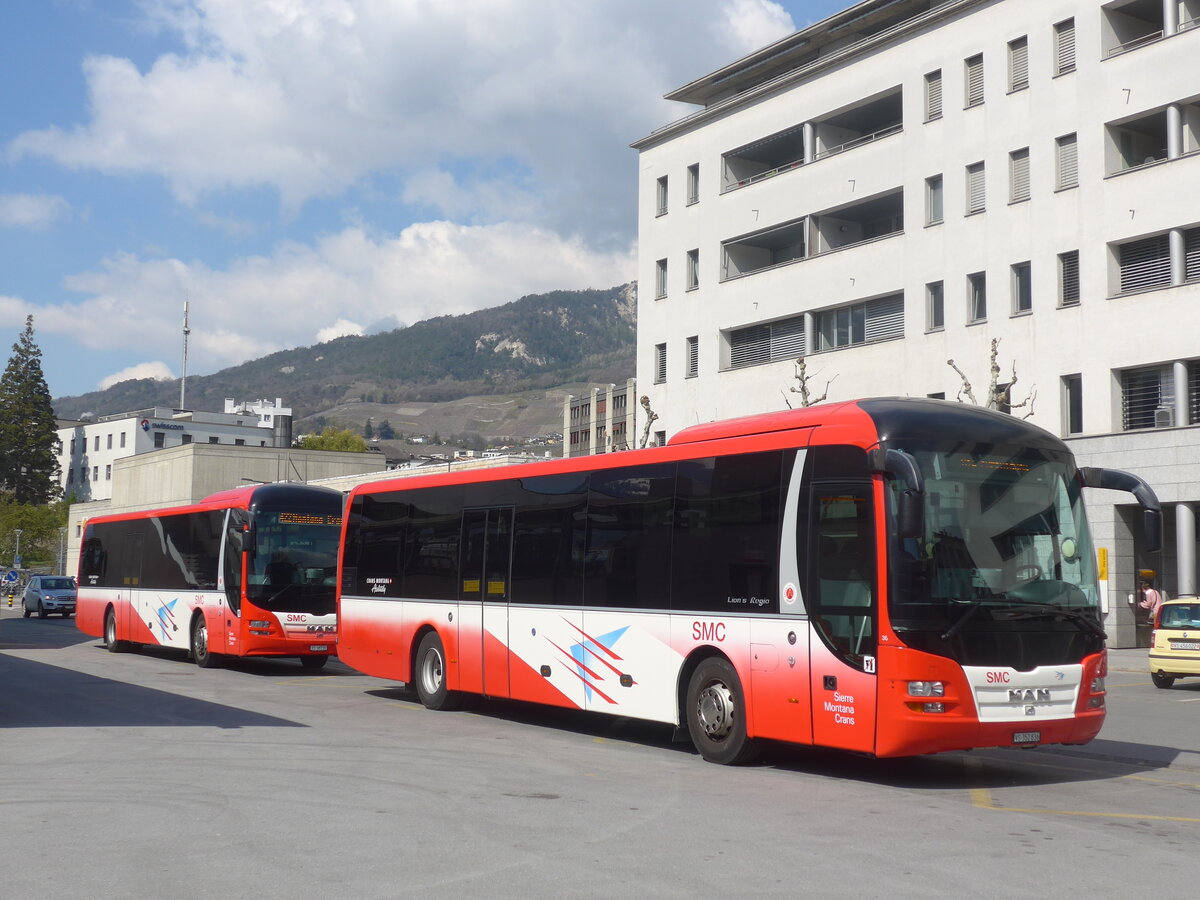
x=16 y=562
x=12 y=576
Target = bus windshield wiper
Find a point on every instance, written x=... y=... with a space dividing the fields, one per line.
x=1028 y=610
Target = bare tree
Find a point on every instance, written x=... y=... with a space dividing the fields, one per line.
x=998 y=396
x=651 y=418
x=802 y=386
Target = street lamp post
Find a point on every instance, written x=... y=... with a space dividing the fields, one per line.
x=17 y=552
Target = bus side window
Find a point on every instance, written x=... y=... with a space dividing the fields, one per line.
x=843 y=562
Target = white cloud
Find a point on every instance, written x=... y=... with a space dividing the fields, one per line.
x=36 y=211
x=157 y=370
x=265 y=303
x=747 y=25
x=509 y=110
x=340 y=328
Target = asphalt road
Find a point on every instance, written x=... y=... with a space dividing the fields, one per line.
x=139 y=775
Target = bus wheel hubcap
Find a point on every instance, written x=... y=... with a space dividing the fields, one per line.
x=714 y=708
x=432 y=671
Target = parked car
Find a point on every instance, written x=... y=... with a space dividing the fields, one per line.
x=47 y=594
x=1175 y=642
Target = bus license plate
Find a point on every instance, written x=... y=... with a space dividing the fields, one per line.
x=1185 y=645
x=318 y=648
x=1027 y=737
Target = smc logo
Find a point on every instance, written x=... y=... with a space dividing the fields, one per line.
x=708 y=631
x=297 y=617
x=998 y=677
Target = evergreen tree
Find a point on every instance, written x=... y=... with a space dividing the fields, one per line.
x=28 y=435
x=386 y=432
x=368 y=431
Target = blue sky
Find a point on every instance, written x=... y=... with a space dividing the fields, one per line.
x=302 y=169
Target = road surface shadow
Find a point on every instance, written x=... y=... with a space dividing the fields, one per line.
x=36 y=695
x=17 y=633
x=273 y=666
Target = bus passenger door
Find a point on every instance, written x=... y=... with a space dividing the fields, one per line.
x=841 y=600
x=225 y=628
x=483 y=608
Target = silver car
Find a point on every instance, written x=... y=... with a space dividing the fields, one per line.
x=47 y=594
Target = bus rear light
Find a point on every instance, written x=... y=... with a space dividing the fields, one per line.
x=1098 y=685
x=927 y=689
x=1095 y=703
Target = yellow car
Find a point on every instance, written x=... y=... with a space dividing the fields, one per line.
x=1175 y=642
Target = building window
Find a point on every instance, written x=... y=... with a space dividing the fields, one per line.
x=660 y=439
x=71 y=475
x=662 y=196
x=1018 y=64
x=693 y=183
x=1145 y=264
x=187 y=438
x=1064 y=47
x=122 y=439
x=935 y=306
x=693 y=357
x=239 y=442
x=1072 y=404
x=660 y=363
x=96 y=443
x=159 y=439
x=214 y=440
x=1022 y=289
x=1018 y=175
x=933 y=200
x=72 y=446
x=108 y=442
x=974 y=79
x=1068 y=278
x=83 y=473
x=860 y=323
x=108 y=473
x=767 y=342
x=1066 y=155
x=693 y=269
x=933 y=96
x=977 y=297
x=937 y=395
x=976 y=189
x=1147 y=398
x=660 y=279
x=95 y=473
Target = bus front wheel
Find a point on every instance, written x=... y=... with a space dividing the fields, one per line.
x=716 y=714
x=201 y=653
x=431 y=675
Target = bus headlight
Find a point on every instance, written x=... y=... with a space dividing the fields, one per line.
x=926 y=689
x=259 y=623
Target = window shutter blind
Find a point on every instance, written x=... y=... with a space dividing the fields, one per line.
x=933 y=95
x=1020 y=175
x=763 y=343
x=1068 y=161
x=1069 y=274
x=693 y=360
x=885 y=318
x=1064 y=45
x=976 y=197
x=1145 y=264
x=974 y=80
x=1191 y=254
x=1018 y=65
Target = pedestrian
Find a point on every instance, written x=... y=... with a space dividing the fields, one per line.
x=1151 y=600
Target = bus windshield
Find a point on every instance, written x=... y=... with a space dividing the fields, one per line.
x=1005 y=567
x=294 y=564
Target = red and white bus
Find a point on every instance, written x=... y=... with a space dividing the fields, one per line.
x=245 y=572
x=888 y=576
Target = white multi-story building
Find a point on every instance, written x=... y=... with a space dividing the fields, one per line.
x=907 y=181
x=88 y=450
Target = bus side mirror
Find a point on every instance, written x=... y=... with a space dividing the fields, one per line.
x=1118 y=480
x=903 y=467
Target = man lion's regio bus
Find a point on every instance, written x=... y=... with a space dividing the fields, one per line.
x=245 y=572
x=887 y=576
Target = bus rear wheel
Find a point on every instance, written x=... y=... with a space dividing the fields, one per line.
x=110 y=634
x=314 y=662
x=201 y=653
x=716 y=716
x=430 y=673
